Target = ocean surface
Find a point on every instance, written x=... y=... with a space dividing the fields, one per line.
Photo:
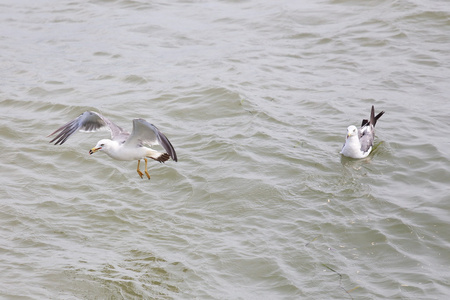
x=256 y=97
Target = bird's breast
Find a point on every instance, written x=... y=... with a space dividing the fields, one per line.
x=127 y=153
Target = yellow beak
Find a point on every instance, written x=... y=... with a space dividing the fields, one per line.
x=93 y=150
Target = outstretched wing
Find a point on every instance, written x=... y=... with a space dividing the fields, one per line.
x=146 y=133
x=88 y=121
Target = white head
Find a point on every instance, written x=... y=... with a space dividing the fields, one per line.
x=104 y=144
x=352 y=131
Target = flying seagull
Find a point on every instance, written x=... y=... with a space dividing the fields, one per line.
x=122 y=145
x=359 y=142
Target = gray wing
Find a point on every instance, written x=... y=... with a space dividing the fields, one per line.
x=366 y=137
x=146 y=133
x=88 y=121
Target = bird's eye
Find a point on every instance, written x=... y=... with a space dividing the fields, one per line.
x=102 y=145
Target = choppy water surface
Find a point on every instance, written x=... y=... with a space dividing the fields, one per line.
x=256 y=97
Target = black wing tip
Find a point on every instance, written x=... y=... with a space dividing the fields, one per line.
x=373 y=119
x=56 y=143
x=164 y=141
x=372 y=115
x=379 y=115
x=57 y=139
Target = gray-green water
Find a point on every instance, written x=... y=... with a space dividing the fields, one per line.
x=256 y=97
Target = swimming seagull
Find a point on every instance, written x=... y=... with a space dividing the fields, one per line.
x=359 y=142
x=122 y=145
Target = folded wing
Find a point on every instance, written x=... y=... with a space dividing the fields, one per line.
x=367 y=137
x=367 y=130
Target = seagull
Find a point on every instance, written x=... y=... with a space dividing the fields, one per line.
x=359 y=142
x=122 y=145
